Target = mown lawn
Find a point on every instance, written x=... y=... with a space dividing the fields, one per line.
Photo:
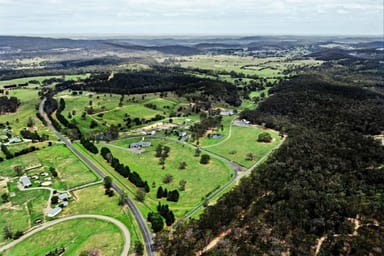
x=244 y=141
x=75 y=236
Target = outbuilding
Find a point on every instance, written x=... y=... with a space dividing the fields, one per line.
x=53 y=212
x=25 y=181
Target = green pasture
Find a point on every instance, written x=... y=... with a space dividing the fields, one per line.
x=29 y=101
x=72 y=172
x=201 y=179
x=244 y=141
x=75 y=236
x=23 y=209
x=25 y=80
x=92 y=200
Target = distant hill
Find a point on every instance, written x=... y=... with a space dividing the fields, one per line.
x=40 y=43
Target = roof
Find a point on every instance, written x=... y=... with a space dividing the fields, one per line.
x=228 y=112
x=14 y=140
x=63 y=196
x=25 y=180
x=140 y=144
x=53 y=212
x=182 y=134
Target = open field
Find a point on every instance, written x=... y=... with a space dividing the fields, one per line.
x=201 y=179
x=72 y=172
x=29 y=100
x=92 y=200
x=76 y=236
x=41 y=78
x=23 y=209
x=270 y=67
x=244 y=141
x=106 y=109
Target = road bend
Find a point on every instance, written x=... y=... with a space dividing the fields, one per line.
x=136 y=213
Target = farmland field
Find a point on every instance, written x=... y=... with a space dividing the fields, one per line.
x=201 y=179
x=29 y=100
x=75 y=236
x=72 y=172
x=40 y=79
x=92 y=200
x=23 y=209
x=236 y=149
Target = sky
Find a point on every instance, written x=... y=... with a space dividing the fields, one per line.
x=191 y=17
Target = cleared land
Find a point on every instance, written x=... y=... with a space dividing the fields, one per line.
x=23 y=209
x=41 y=79
x=29 y=99
x=92 y=200
x=75 y=236
x=201 y=179
x=72 y=172
x=244 y=141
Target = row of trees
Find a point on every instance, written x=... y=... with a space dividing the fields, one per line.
x=124 y=170
x=9 y=155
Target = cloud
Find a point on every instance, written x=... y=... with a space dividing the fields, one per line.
x=191 y=16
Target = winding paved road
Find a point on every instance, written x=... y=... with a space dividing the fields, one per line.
x=119 y=224
x=136 y=213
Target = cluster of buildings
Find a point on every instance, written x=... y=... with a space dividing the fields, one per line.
x=42 y=179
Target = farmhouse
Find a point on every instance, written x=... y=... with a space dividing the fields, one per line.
x=228 y=112
x=140 y=144
x=53 y=212
x=25 y=181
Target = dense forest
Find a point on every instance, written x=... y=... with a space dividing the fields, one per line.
x=157 y=80
x=326 y=180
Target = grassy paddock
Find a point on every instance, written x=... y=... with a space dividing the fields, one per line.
x=244 y=141
x=72 y=172
x=92 y=200
x=29 y=100
x=201 y=179
x=41 y=78
x=75 y=236
x=23 y=209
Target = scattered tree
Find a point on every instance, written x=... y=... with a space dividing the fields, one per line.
x=204 y=159
x=182 y=184
x=264 y=137
x=107 y=182
x=168 y=178
x=182 y=165
x=140 y=195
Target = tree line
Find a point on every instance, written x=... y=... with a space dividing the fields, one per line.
x=124 y=170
